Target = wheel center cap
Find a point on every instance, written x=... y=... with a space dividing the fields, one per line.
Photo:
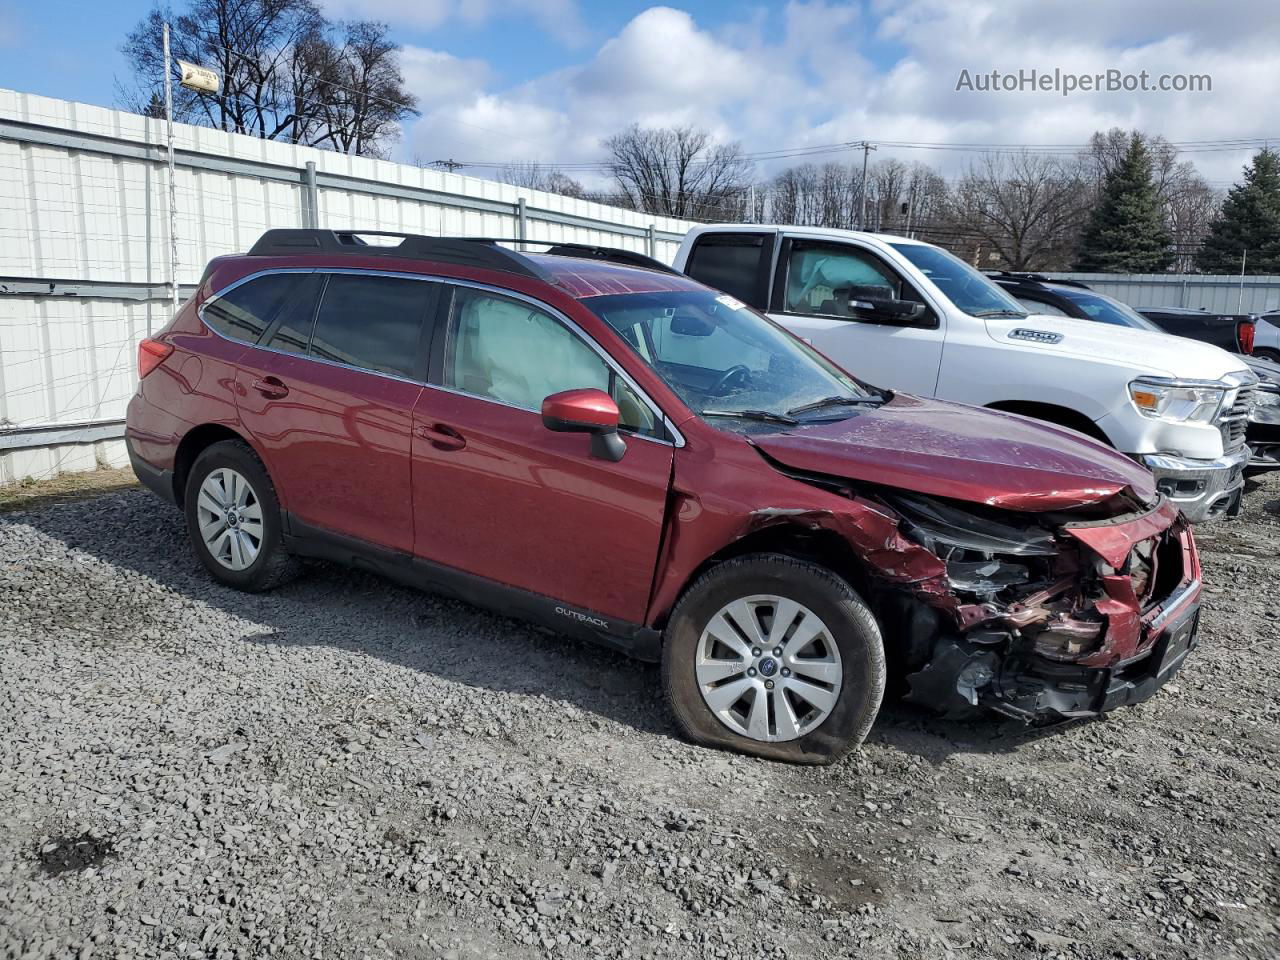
x=233 y=518
x=768 y=667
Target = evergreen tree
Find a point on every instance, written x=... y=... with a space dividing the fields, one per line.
x=1249 y=221
x=1126 y=232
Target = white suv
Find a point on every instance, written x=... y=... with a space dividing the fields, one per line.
x=910 y=316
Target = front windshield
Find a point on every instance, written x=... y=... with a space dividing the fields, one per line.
x=1105 y=310
x=729 y=363
x=960 y=283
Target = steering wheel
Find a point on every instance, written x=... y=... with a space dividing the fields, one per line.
x=735 y=376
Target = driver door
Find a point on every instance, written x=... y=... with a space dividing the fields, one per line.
x=497 y=494
x=816 y=297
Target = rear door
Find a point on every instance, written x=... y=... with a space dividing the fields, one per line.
x=329 y=396
x=498 y=495
x=816 y=291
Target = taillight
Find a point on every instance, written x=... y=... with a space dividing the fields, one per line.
x=1244 y=333
x=152 y=353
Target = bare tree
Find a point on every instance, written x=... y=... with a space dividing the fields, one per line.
x=536 y=176
x=680 y=172
x=1026 y=207
x=286 y=73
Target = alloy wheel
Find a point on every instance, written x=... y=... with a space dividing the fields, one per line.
x=768 y=668
x=230 y=518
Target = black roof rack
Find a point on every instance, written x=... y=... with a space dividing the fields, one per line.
x=464 y=251
x=610 y=254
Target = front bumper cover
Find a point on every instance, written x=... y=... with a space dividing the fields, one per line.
x=1202 y=489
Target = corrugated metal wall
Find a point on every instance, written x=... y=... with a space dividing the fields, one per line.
x=1216 y=293
x=84 y=246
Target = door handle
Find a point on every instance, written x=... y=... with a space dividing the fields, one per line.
x=442 y=437
x=271 y=387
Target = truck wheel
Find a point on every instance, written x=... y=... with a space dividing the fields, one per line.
x=233 y=518
x=1266 y=353
x=774 y=656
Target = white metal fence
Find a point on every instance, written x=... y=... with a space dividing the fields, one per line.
x=1216 y=293
x=84 y=248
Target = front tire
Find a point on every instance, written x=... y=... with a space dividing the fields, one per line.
x=773 y=656
x=233 y=519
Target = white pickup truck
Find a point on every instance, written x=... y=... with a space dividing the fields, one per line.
x=907 y=315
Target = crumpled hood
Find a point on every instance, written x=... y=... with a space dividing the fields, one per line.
x=967 y=453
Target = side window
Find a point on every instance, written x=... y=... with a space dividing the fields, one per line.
x=732 y=262
x=1044 y=309
x=291 y=332
x=372 y=322
x=245 y=312
x=510 y=351
x=825 y=280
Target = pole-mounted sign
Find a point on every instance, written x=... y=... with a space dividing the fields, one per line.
x=200 y=79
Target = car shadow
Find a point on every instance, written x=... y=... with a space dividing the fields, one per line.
x=366 y=615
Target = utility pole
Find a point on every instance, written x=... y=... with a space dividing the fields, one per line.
x=866 y=151
x=173 y=188
x=1244 y=256
x=450 y=165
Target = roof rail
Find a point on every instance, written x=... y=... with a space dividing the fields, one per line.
x=585 y=251
x=610 y=254
x=462 y=252
x=1028 y=277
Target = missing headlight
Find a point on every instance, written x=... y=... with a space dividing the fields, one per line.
x=985 y=556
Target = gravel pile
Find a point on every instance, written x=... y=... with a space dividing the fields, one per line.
x=345 y=768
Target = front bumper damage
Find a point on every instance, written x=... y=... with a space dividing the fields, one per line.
x=1069 y=651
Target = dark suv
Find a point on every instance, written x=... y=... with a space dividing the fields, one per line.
x=623 y=454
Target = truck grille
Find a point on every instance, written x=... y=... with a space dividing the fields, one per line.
x=1235 y=420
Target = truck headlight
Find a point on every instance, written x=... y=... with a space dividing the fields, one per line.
x=1266 y=404
x=1177 y=401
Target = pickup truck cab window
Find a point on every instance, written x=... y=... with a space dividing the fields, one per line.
x=737 y=263
x=843 y=282
x=727 y=362
x=969 y=290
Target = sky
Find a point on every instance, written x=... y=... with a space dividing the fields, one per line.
x=549 y=80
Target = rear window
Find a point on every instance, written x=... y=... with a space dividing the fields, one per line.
x=729 y=262
x=245 y=312
x=371 y=322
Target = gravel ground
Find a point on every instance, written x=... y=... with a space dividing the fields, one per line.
x=345 y=768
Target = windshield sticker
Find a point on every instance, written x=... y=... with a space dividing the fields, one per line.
x=730 y=302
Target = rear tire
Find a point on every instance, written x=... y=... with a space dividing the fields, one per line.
x=233 y=519
x=820 y=669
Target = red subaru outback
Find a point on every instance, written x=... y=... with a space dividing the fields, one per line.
x=616 y=451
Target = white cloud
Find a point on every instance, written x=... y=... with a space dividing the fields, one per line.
x=436 y=77
x=830 y=72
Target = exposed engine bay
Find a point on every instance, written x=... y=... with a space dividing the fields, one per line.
x=1040 y=616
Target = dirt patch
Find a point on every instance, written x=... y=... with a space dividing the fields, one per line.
x=67 y=488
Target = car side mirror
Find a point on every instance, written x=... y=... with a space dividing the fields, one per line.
x=904 y=313
x=586 y=410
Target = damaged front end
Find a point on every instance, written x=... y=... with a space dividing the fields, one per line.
x=1043 y=617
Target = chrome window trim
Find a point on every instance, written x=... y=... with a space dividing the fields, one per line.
x=677 y=437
